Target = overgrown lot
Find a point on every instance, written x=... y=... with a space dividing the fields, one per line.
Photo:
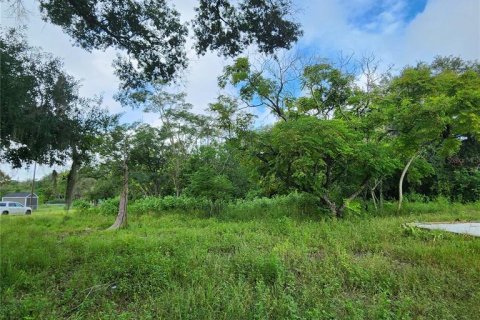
x=174 y=265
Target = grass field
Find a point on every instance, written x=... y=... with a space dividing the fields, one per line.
x=181 y=266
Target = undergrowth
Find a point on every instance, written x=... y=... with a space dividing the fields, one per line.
x=171 y=264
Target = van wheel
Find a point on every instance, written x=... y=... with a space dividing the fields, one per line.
x=28 y=212
x=5 y=212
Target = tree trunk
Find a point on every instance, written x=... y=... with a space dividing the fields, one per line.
x=71 y=181
x=176 y=177
x=381 y=195
x=400 y=183
x=121 y=220
x=55 y=183
x=372 y=194
x=339 y=211
x=33 y=186
x=374 y=198
x=331 y=204
x=351 y=198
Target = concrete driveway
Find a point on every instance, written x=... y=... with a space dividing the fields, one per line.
x=471 y=228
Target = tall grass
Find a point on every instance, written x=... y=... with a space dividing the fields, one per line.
x=169 y=265
x=293 y=205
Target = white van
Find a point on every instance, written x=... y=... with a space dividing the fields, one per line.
x=10 y=207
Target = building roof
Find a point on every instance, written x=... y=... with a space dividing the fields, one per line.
x=19 y=195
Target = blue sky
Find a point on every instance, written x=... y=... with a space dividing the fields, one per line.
x=374 y=16
x=398 y=32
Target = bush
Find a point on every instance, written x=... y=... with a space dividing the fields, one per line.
x=299 y=205
x=170 y=203
x=294 y=204
x=56 y=201
x=109 y=206
x=81 y=204
x=416 y=197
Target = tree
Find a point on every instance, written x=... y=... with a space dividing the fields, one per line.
x=220 y=25
x=87 y=126
x=148 y=33
x=108 y=181
x=431 y=107
x=208 y=175
x=229 y=119
x=326 y=158
x=4 y=179
x=183 y=129
x=329 y=90
x=277 y=84
x=273 y=85
x=216 y=172
x=116 y=151
x=149 y=161
x=151 y=37
x=43 y=119
x=37 y=98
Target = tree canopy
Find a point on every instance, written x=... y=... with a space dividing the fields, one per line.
x=38 y=100
x=151 y=37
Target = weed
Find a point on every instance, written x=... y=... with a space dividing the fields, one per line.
x=262 y=258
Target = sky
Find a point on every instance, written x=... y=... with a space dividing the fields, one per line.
x=398 y=32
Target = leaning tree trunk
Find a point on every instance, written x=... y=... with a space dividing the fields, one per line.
x=121 y=220
x=331 y=205
x=71 y=181
x=352 y=197
x=339 y=211
x=400 y=183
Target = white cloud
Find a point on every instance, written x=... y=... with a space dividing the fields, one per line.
x=445 y=28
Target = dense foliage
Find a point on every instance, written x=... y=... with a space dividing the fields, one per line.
x=335 y=140
x=151 y=36
x=37 y=97
x=340 y=135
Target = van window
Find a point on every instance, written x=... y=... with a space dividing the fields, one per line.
x=3 y=204
x=11 y=204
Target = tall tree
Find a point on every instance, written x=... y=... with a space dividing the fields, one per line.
x=115 y=150
x=88 y=124
x=37 y=98
x=185 y=130
x=432 y=107
x=273 y=85
x=151 y=37
x=327 y=158
x=149 y=161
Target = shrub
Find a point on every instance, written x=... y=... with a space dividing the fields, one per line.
x=81 y=204
x=170 y=203
x=109 y=206
x=293 y=204
x=56 y=201
x=416 y=197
